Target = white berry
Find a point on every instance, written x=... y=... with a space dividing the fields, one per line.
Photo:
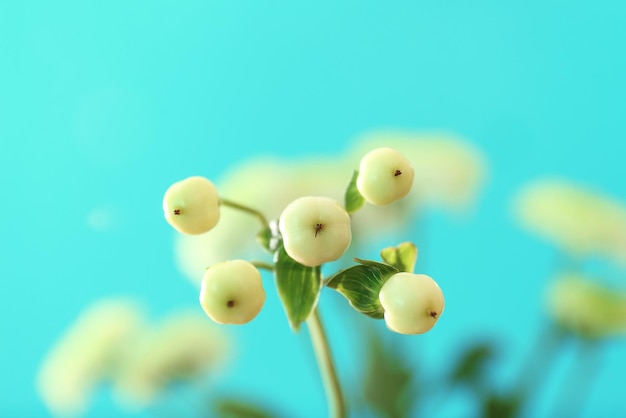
x=412 y=302
x=232 y=292
x=385 y=176
x=191 y=205
x=315 y=230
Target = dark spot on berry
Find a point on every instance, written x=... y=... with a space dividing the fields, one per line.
x=434 y=314
x=176 y=211
x=230 y=303
x=318 y=228
x=397 y=173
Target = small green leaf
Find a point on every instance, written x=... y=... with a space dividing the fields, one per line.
x=361 y=285
x=402 y=257
x=233 y=408
x=269 y=237
x=298 y=287
x=264 y=237
x=353 y=199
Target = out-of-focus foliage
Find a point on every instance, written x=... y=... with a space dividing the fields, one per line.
x=577 y=219
x=390 y=382
x=471 y=366
x=237 y=408
x=471 y=371
x=501 y=406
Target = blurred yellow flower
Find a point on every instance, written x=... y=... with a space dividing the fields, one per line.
x=183 y=347
x=579 y=220
x=86 y=354
x=586 y=307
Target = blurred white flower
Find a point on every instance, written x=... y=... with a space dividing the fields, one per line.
x=86 y=354
x=185 y=346
x=579 y=220
x=270 y=184
x=232 y=238
x=449 y=171
x=586 y=307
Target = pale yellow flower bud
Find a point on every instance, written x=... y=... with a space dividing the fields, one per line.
x=315 y=230
x=232 y=292
x=412 y=302
x=191 y=205
x=385 y=175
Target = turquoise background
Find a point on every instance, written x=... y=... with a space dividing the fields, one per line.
x=104 y=104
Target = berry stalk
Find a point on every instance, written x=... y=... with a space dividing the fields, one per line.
x=246 y=209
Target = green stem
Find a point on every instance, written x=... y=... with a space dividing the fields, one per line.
x=247 y=210
x=336 y=406
x=262 y=265
x=577 y=386
x=537 y=365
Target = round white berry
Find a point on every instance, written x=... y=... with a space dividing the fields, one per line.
x=315 y=230
x=385 y=176
x=232 y=292
x=412 y=302
x=191 y=205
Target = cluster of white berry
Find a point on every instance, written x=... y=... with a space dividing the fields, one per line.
x=313 y=230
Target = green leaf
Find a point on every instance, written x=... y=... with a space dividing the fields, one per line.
x=269 y=238
x=298 y=287
x=232 y=408
x=353 y=198
x=402 y=257
x=502 y=406
x=361 y=285
x=264 y=237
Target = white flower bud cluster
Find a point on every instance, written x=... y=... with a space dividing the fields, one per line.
x=314 y=230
